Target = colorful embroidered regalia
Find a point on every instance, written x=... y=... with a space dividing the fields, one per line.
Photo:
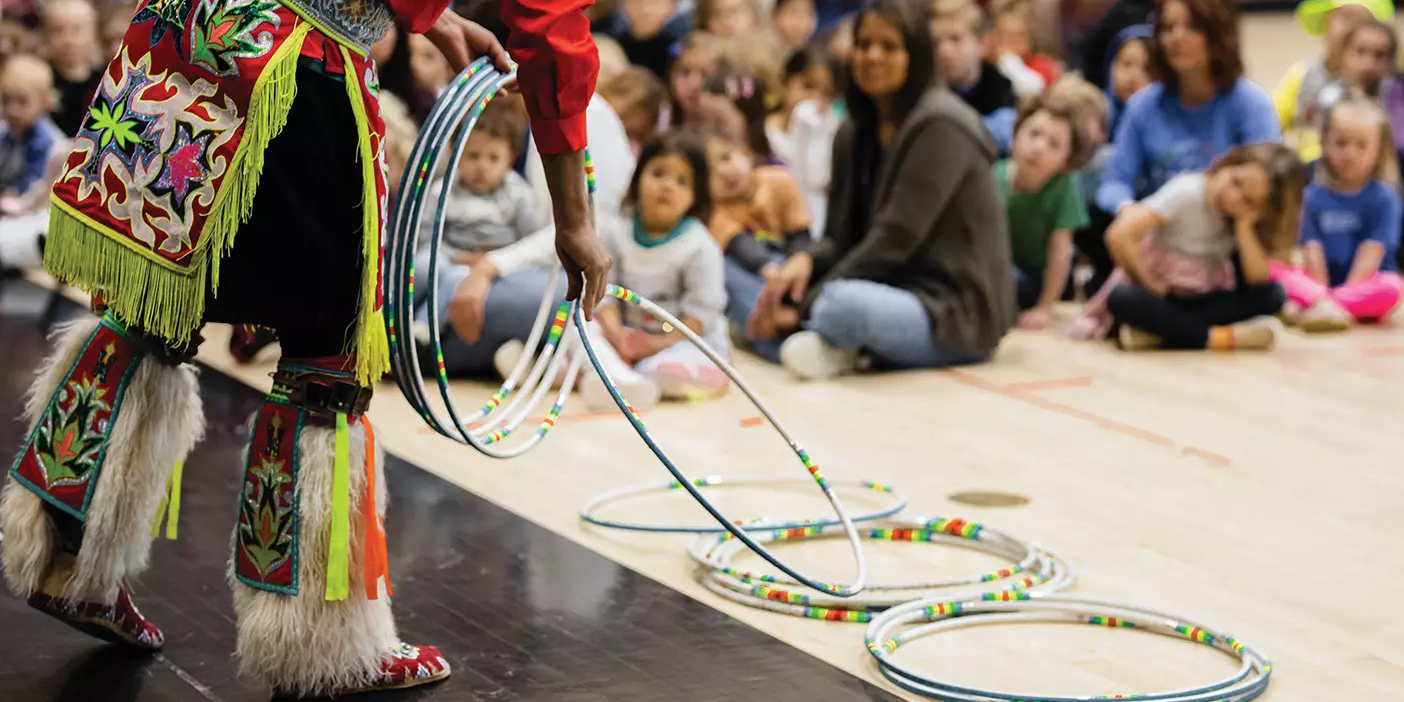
x=160 y=199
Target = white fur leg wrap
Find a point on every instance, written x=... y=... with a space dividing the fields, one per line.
x=303 y=644
x=160 y=421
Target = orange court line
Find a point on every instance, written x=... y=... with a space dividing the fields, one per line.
x=1052 y=384
x=1014 y=392
x=749 y=422
x=1385 y=351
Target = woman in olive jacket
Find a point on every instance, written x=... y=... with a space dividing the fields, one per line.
x=914 y=268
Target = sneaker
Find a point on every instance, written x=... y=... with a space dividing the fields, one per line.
x=1133 y=339
x=681 y=381
x=1256 y=334
x=1325 y=316
x=641 y=392
x=119 y=623
x=809 y=357
x=504 y=359
x=1290 y=314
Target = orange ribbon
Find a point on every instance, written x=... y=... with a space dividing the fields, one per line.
x=376 y=556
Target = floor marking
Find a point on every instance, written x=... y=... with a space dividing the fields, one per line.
x=1385 y=351
x=749 y=422
x=188 y=678
x=1053 y=384
x=1014 y=392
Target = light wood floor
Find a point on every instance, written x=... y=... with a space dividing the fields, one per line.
x=1261 y=494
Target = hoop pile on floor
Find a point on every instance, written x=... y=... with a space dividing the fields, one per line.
x=1034 y=570
x=465 y=99
x=927 y=617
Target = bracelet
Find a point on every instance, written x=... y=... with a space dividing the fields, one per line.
x=937 y=615
x=897 y=503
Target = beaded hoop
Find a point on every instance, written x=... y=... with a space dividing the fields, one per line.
x=466 y=97
x=1035 y=570
x=936 y=615
x=899 y=502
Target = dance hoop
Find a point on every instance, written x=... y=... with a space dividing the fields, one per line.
x=934 y=616
x=465 y=99
x=898 y=502
x=1035 y=570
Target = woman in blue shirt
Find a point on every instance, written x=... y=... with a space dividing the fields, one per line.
x=1200 y=109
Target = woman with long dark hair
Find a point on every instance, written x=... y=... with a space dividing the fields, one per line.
x=914 y=268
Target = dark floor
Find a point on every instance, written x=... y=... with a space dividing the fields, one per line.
x=521 y=613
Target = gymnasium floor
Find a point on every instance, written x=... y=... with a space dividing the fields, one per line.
x=1245 y=491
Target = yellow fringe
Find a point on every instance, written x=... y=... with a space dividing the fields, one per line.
x=372 y=349
x=162 y=299
x=339 y=550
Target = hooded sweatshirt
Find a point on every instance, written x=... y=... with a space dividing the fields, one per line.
x=1115 y=106
x=937 y=233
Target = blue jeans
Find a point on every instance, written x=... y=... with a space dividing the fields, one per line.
x=743 y=289
x=1028 y=286
x=887 y=323
x=508 y=313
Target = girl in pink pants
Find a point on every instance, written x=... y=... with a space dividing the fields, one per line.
x=1350 y=225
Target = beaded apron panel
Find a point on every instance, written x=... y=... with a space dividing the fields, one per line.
x=63 y=457
x=355 y=23
x=266 y=540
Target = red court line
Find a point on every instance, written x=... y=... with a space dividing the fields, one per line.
x=1022 y=395
x=1053 y=384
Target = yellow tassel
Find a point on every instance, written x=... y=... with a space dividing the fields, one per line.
x=339 y=553
x=170 y=505
x=173 y=516
x=160 y=297
x=372 y=349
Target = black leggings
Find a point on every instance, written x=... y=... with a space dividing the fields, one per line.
x=1184 y=322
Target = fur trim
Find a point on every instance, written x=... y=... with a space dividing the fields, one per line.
x=29 y=535
x=304 y=644
x=160 y=422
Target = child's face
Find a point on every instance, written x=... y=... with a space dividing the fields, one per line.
x=1341 y=21
x=957 y=51
x=1352 y=147
x=1130 y=69
x=730 y=18
x=639 y=124
x=647 y=17
x=1042 y=147
x=22 y=102
x=815 y=83
x=685 y=80
x=1012 y=34
x=665 y=190
x=880 y=58
x=1235 y=191
x=794 y=22
x=718 y=114
x=730 y=167
x=486 y=160
x=70 y=32
x=1365 y=59
x=430 y=68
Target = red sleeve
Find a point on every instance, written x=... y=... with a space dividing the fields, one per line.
x=417 y=16
x=556 y=66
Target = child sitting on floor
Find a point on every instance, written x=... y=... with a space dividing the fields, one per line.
x=1368 y=54
x=1194 y=256
x=1350 y=226
x=663 y=252
x=1043 y=204
x=489 y=204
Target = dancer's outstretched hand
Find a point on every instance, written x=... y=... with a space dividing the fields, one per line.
x=462 y=41
x=585 y=259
